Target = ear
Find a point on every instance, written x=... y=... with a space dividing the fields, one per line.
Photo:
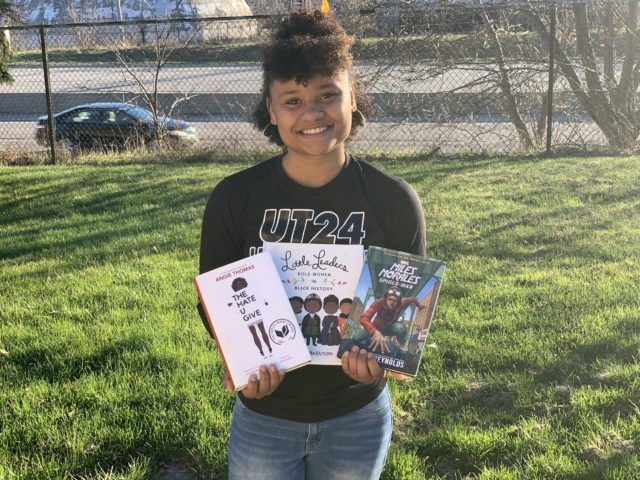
x=271 y=114
x=354 y=106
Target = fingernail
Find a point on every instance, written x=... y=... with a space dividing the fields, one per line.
x=346 y=354
x=354 y=349
x=281 y=372
x=272 y=368
x=363 y=352
x=369 y=355
x=263 y=369
x=253 y=378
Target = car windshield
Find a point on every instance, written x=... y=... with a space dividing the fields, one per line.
x=139 y=113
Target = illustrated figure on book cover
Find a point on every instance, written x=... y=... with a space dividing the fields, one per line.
x=382 y=320
x=311 y=321
x=253 y=319
x=345 y=309
x=296 y=305
x=330 y=334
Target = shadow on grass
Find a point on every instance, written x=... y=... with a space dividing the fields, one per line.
x=85 y=218
x=60 y=364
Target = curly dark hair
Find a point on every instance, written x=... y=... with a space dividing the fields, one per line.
x=331 y=298
x=238 y=284
x=304 y=45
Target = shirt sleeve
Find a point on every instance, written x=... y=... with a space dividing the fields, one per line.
x=221 y=237
x=408 y=301
x=366 y=319
x=407 y=232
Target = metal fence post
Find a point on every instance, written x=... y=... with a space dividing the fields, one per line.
x=47 y=90
x=552 y=53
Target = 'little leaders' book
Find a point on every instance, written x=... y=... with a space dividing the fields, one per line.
x=320 y=280
x=251 y=318
x=393 y=308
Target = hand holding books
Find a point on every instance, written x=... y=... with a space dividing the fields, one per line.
x=356 y=362
x=257 y=387
x=361 y=365
x=269 y=380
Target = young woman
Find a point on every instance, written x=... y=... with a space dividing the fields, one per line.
x=317 y=422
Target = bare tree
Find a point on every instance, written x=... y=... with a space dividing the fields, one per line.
x=472 y=62
x=7 y=11
x=596 y=52
x=608 y=96
x=146 y=76
x=76 y=13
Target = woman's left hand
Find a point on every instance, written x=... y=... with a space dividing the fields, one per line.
x=363 y=367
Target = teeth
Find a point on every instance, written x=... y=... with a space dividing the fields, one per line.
x=312 y=131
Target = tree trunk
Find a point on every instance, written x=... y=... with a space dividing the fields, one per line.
x=511 y=106
x=609 y=53
x=593 y=100
x=624 y=95
x=5 y=55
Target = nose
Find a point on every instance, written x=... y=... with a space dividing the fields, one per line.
x=312 y=112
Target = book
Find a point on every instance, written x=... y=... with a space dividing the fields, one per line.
x=320 y=280
x=251 y=318
x=393 y=308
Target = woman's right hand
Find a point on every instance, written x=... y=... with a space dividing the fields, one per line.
x=269 y=380
x=226 y=381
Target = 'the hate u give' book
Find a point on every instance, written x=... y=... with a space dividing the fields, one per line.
x=320 y=280
x=251 y=318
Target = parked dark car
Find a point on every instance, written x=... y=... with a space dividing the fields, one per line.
x=113 y=125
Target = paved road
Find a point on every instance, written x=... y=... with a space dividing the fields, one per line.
x=420 y=87
x=376 y=136
x=234 y=78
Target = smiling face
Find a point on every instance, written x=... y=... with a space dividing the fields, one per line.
x=313 y=119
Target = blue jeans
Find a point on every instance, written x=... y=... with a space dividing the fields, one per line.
x=349 y=447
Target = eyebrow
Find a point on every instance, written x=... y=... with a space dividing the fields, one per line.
x=324 y=86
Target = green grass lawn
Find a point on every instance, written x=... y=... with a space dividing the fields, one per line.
x=532 y=369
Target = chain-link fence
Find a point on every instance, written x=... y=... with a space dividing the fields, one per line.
x=455 y=79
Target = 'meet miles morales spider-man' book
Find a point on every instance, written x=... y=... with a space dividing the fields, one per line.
x=251 y=318
x=393 y=308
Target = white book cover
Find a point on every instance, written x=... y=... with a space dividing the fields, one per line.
x=251 y=318
x=320 y=281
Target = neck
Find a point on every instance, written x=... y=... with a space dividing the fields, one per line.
x=311 y=170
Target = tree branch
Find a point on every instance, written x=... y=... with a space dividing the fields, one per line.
x=511 y=106
x=624 y=93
